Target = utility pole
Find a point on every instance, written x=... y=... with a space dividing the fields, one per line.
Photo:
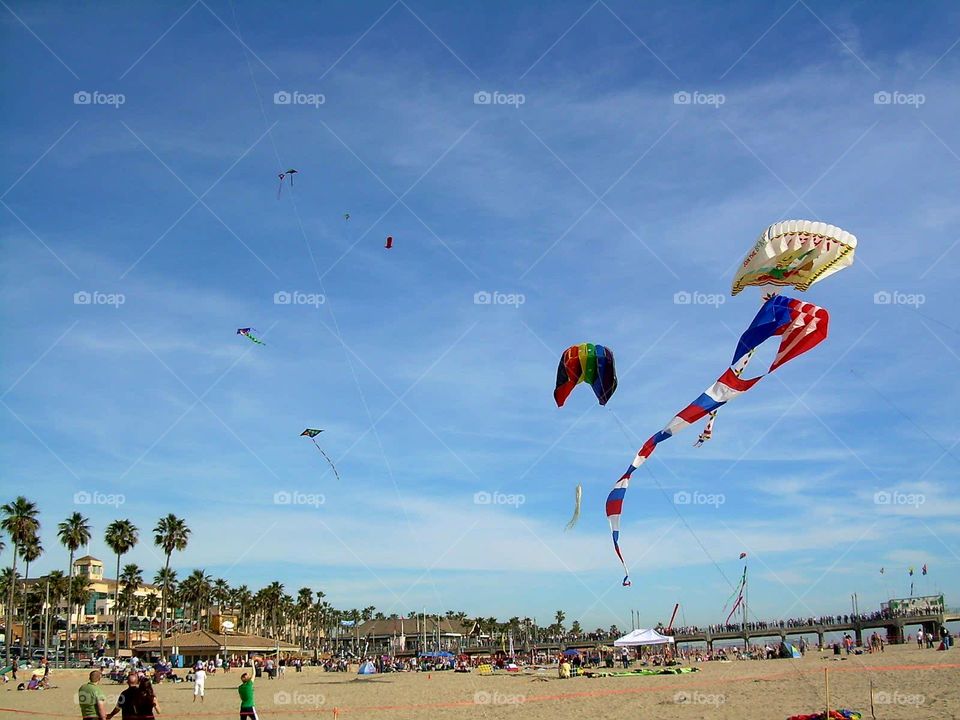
x=46 y=619
x=746 y=637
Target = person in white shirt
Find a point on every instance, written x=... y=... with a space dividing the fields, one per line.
x=199 y=679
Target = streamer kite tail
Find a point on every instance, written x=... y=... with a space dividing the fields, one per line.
x=614 y=510
x=335 y=473
x=312 y=434
x=801 y=326
x=578 y=494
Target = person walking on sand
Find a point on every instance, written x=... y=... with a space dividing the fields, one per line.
x=91 y=699
x=247 y=709
x=199 y=680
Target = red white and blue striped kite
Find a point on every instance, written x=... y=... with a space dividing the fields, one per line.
x=801 y=327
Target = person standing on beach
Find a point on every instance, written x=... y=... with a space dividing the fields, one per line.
x=247 y=709
x=199 y=681
x=91 y=699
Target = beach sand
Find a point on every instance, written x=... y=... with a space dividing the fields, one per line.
x=909 y=684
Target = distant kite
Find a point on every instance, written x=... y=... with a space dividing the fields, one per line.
x=389 y=243
x=346 y=216
x=291 y=172
x=578 y=499
x=248 y=334
x=312 y=434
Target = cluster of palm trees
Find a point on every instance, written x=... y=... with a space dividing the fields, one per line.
x=305 y=619
x=19 y=521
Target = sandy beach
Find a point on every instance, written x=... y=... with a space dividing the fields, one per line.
x=908 y=684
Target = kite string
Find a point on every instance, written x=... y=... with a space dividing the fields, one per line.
x=902 y=413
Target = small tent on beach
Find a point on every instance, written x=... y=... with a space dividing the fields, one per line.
x=367 y=668
x=642 y=636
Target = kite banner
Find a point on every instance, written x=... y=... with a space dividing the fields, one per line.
x=801 y=327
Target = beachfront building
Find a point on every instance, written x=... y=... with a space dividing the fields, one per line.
x=192 y=647
x=91 y=623
x=411 y=635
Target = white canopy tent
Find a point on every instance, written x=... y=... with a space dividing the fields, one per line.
x=642 y=637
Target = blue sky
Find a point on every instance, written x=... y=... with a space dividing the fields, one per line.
x=595 y=200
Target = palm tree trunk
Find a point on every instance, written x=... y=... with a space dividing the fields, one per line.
x=26 y=640
x=13 y=585
x=116 y=613
x=163 y=604
x=66 y=655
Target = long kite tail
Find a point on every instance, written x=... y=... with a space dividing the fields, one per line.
x=327 y=459
x=708 y=428
x=576 y=508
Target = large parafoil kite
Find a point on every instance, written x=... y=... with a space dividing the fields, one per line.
x=792 y=253
x=795 y=253
x=590 y=364
x=801 y=326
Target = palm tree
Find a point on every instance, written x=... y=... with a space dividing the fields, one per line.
x=132 y=579
x=195 y=591
x=560 y=617
x=171 y=533
x=121 y=536
x=20 y=523
x=74 y=533
x=242 y=597
x=80 y=592
x=30 y=552
x=166 y=580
